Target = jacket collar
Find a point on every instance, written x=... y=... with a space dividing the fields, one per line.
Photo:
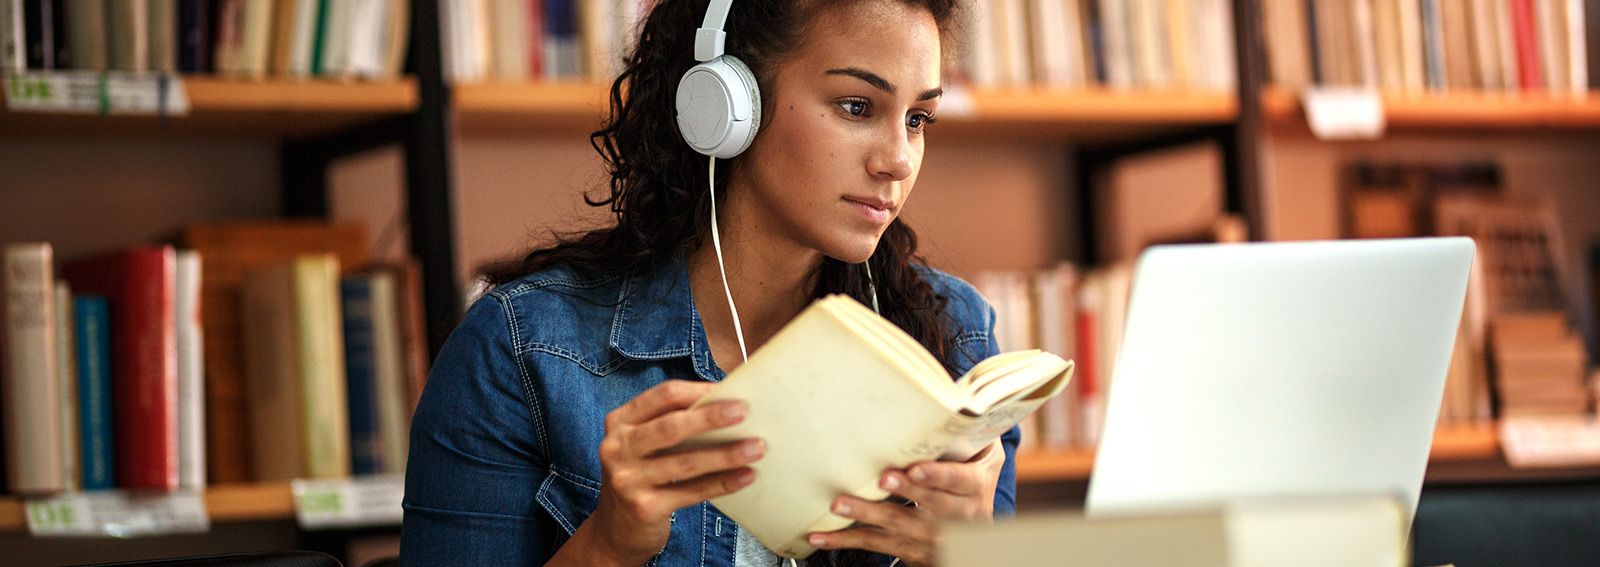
x=656 y=319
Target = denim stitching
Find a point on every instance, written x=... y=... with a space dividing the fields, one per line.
x=555 y=511
x=528 y=389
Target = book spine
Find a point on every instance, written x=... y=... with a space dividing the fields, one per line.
x=360 y=367
x=163 y=36
x=147 y=417
x=93 y=321
x=194 y=36
x=320 y=342
x=39 y=49
x=61 y=36
x=1529 y=75
x=534 y=23
x=190 y=345
x=1577 y=48
x=389 y=373
x=32 y=427
x=13 y=37
x=319 y=37
x=67 y=383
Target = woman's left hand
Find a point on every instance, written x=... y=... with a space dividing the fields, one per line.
x=940 y=491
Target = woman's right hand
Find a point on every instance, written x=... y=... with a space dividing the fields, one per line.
x=640 y=487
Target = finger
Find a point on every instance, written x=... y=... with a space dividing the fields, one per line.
x=664 y=397
x=961 y=479
x=674 y=427
x=932 y=499
x=700 y=462
x=875 y=539
x=697 y=490
x=892 y=517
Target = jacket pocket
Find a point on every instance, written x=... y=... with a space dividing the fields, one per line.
x=568 y=498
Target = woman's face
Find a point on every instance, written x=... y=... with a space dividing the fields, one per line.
x=842 y=134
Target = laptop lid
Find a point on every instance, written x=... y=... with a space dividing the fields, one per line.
x=1279 y=370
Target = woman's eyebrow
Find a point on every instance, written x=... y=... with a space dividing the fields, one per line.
x=880 y=83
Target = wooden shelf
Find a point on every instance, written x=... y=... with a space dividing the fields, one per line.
x=273 y=501
x=229 y=502
x=1098 y=115
x=1450 y=443
x=1459 y=111
x=218 y=106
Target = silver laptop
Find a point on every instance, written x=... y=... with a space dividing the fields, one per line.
x=1279 y=371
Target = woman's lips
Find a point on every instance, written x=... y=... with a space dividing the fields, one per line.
x=877 y=212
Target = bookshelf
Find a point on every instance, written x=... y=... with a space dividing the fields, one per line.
x=1097 y=115
x=273 y=501
x=1451 y=443
x=1460 y=111
x=275 y=108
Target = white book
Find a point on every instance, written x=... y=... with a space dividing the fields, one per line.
x=191 y=372
x=810 y=411
x=1116 y=39
x=1222 y=75
x=1018 y=57
x=32 y=395
x=1153 y=64
x=163 y=35
x=67 y=380
x=983 y=59
x=1366 y=43
x=302 y=37
x=1486 y=44
x=1412 y=70
x=482 y=34
x=1049 y=42
x=1577 y=48
x=511 y=41
x=389 y=373
x=1386 y=33
x=1505 y=37
x=397 y=39
x=369 y=21
x=1552 y=44
x=596 y=31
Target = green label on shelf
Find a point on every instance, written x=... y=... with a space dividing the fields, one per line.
x=87 y=92
x=342 y=503
x=117 y=514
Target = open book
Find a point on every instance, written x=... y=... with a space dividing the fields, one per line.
x=839 y=395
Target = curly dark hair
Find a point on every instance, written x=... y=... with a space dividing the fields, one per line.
x=657 y=188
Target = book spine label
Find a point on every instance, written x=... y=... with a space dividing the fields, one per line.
x=93 y=321
x=32 y=426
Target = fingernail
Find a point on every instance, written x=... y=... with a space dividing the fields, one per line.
x=918 y=474
x=891 y=482
x=733 y=411
x=817 y=541
x=841 y=508
x=752 y=448
x=746 y=476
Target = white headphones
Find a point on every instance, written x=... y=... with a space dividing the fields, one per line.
x=719 y=103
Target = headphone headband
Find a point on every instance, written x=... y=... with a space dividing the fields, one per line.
x=709 y=38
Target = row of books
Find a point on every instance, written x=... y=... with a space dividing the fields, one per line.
x=1417 y=46
x=243 y=38
x=249 y=355
x=1074 y=313
x=537 y=40
x=1117 y=44
x=1061 y=44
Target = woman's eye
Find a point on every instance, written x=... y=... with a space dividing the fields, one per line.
x=917 y=122
x=854 y=107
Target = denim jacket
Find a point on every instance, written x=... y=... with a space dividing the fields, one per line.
x=504 y=446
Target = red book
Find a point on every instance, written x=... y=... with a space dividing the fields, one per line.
x=536 y=40
x=1529 y=75
x=140 y=285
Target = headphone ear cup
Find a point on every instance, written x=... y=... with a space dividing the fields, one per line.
x=719 y=107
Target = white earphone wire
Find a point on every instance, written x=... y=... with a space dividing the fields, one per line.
x=716 y=241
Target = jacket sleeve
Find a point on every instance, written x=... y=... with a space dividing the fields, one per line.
x=474 y=465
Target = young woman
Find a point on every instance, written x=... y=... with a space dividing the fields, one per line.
x=538 y=438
